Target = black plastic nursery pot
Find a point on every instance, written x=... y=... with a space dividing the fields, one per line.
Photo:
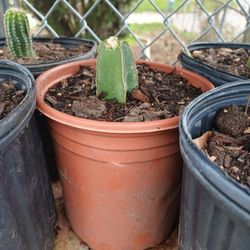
x=67 y=42
x=36 y=70
x=217 y=77
x=215 y=209
x=27 y=212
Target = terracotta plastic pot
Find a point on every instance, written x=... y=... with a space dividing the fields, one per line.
x=121 y=180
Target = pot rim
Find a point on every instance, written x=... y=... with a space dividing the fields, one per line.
x=103 y=126
x=205 y=45
x=13 y=123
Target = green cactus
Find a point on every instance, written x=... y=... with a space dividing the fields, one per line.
x=248 y=63
x=17 y=32
x=115 y=70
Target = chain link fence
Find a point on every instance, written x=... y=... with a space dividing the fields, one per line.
x=158 y=28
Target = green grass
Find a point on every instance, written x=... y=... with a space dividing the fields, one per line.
x=147 y=6
x=164 y=5
x=129 y=39
x=146 y=28
x=142 y=29
x=188 y=36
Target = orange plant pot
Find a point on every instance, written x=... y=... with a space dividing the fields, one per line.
x=121 y=180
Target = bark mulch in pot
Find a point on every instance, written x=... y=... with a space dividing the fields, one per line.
x=45 y=53
x=229 y=60
x=159 y=96
x=10 y=97
x=229 y=148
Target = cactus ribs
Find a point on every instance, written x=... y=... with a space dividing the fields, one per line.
x=116 y=73
x=17 y=31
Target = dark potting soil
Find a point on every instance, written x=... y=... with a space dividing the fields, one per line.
x=159 y=96
x=45 y=53
x=230 y=146
x=229 y=60
x=10 y=97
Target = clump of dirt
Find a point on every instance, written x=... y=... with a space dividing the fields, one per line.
x=229 y=60
x=232 y=121
x=10 y=97
x=45 y=53
x=159 y=96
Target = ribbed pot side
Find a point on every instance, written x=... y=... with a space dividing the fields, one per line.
x=121 y=181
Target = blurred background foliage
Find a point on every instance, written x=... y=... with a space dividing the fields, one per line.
x=103 y=21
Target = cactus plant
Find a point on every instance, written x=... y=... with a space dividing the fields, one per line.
x=17 y=33
x=116 y=72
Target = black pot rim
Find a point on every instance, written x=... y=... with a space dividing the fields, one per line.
x=205 y=45
x=13 y=123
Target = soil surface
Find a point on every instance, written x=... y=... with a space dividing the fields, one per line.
x=45 y=53
x=10 y=97
x=229 y=60
x=159 y=96
x=229 y=148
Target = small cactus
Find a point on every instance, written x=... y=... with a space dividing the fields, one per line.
x=116 y=72
x=17 y=33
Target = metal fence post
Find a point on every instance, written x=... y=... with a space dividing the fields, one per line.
x=4 y=5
